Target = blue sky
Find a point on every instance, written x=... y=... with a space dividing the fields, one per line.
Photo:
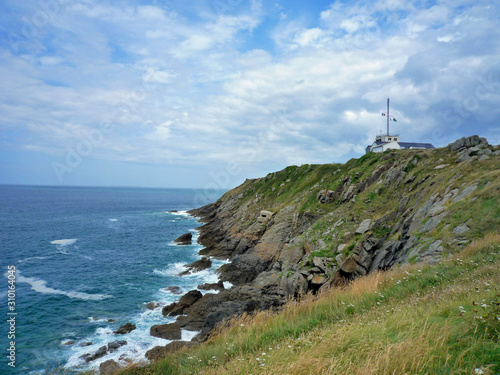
x=207 y=93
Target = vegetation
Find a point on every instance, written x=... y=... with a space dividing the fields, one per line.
x=417 y=319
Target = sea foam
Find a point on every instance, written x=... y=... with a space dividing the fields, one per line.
x=65 y=242
x=40 y=286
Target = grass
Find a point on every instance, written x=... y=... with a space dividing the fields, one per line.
x=417 y=319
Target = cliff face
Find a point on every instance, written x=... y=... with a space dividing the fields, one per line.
x=326 y=224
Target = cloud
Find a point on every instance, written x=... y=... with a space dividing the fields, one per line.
x=198 y=86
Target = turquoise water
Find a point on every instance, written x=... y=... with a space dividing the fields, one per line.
x=88 y=260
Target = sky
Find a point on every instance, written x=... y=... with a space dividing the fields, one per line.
x=207 y=93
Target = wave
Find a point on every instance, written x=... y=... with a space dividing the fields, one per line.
x=172 y=270
x=65 y=242
x=30 y=258
x=180 y=213
x=40 y=286
x=113 y=220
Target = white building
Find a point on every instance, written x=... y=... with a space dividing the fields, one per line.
x=385 y=142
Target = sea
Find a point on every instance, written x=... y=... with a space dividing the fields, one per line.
x=88 y=260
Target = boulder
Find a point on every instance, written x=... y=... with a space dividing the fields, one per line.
x=174 y=289
x=185 y=239
x=461 y=229
x=364 y=226
x=158 y=352
x=185 y=302
x=212 y=286
x=326 y=196
x=467 y=142
x=101 y=352
x=124 y=329
x=108 y=367
x=170 y=331
x=112 y=346
x=168 y=309
x=197 y=266
x=152 y=305
x=264 y=216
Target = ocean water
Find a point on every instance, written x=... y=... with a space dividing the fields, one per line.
x=88 y=260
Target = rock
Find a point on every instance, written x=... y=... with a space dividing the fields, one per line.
x=168 y=309
x=88 y=343
x=152 y=305
x=212 y=286
x=464 y=157
x=484 y=157
x=197 y=266
x=496 y=153
x=124 y=329
x=158 y=352
x=185 y=302
x=69 y=342
x=364 y=226
x=318 y=280
x=174 y=289
x=468 y=190
x=185 y=239
x=170 y=331
x=326 y=196
x=349 y=193
x=112 y=346
x=485 y=151
x=101 y=352
x=111 y=320
x=341 y=247
x=108 y=367
x=321 y=263
x=441 y=166
x=461 y=229
x=434 y=248
x=467 y=142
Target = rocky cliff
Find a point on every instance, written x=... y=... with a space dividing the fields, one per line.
x=312 y=227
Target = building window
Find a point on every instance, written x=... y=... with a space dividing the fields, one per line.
x=390 y=139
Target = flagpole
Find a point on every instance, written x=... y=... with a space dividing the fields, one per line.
x=388 y=116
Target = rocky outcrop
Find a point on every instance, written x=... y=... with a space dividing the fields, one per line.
x=197 y=266
x=186 y=301
x=185 y=239
x=109 y=367
x=170 y=331
x=124 y=329
x=158 y=352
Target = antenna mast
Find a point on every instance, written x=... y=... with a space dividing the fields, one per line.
x=388 y=116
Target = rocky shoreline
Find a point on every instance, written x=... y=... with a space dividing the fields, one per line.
x=279 y=248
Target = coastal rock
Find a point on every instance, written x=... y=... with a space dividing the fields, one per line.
x=174 y=289
x=185 y=302
x=112 y=346
x=124 y=329
x=185 y=239
x=197 y=266
x=69 y=342
x=170 y=331
x=109 y=367
x=158 y=352
x=101 y=352
x=212 y=286
x=152 y=305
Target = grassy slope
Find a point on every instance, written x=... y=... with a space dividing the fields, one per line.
x=417 y=319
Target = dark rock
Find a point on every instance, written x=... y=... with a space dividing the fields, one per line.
x=112 y=346
x=168 y=309
x=185 y=302
x=158 y=352
x=101 y=352
x=111 y=320
x=69 y=342
x=88 y=343
x=124 y=329
x=197 y=266
x=467 y=142
x=152 y=305
x=212 y=286
x=170 y=331
x=185 y=239
x=109 y=367
x=174 y=289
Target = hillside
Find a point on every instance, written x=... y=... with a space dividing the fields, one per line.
x=315 y=228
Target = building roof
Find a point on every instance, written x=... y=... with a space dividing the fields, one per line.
x=415 y=145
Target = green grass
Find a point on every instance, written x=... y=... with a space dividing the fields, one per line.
x=418 y=319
